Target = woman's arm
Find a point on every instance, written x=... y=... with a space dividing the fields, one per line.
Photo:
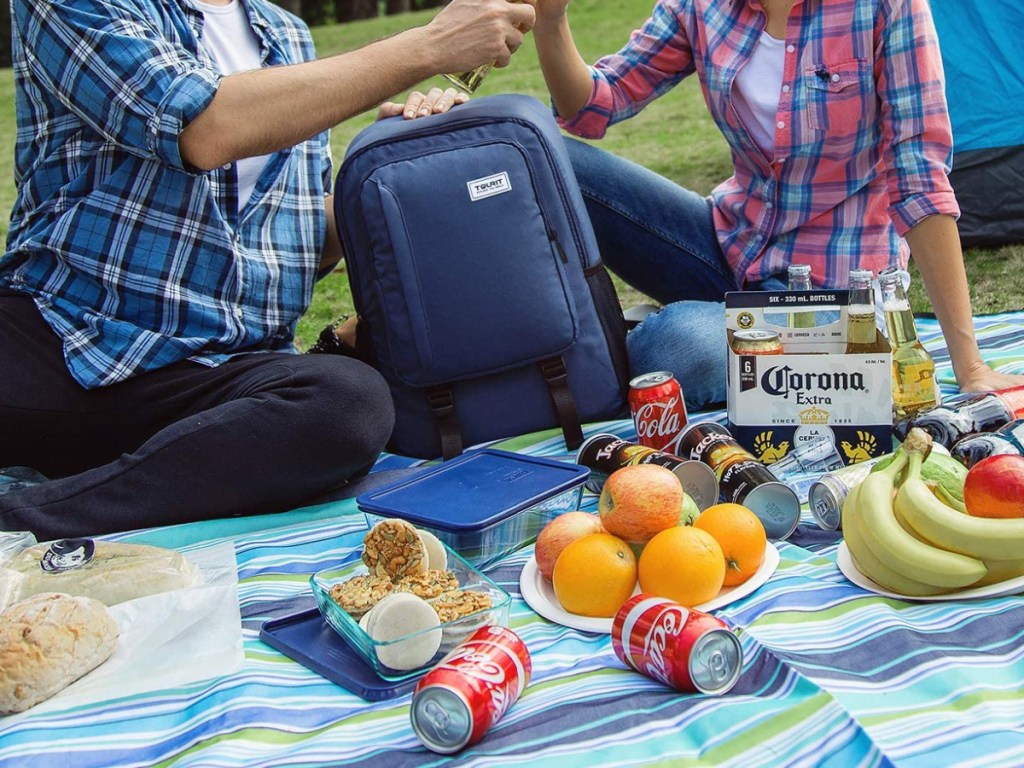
x=918 y=150
x=935 y=246
x=588 y=100
x=565 y=73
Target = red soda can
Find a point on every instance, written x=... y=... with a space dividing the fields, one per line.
x=659 y=413
x=686 y=649
x=469 y=690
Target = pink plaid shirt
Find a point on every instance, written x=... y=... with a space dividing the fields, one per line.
x=862 y=136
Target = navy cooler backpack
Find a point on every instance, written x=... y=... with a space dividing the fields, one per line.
x=474 y=270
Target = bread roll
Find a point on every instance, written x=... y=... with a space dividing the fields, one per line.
x=116 y=572
x=46 y=643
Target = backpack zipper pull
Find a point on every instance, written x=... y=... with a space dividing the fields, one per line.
x=553 y=237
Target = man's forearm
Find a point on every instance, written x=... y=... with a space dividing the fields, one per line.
x=262 y=111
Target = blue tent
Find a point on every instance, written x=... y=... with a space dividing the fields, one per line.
x=982 y=45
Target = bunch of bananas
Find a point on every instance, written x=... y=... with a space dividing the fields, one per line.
x=904 y=538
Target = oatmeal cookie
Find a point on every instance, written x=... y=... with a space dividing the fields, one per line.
x=430 y=584
x=458 y=603
x=393 y=549
x=359 y=594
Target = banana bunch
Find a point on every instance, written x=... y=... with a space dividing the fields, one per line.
x=903 y=537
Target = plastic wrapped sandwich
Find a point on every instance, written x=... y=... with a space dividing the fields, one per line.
x=107 y=571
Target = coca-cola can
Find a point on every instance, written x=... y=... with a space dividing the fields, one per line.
x=605 y=454
x=470 y=689
x=742 y=479
x=689 y=650
x=659 y=414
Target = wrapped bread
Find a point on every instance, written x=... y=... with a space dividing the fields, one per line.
x=108 y=571
x=47 y=642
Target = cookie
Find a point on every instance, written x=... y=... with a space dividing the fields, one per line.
x=393 y=549
x=429 y=584
x=359 y=594
x=437 y=555
x=458 y=603
x=399 y=615
x=366 y=623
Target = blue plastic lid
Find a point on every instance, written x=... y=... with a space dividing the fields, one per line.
x=474 y=491
x=309 y=640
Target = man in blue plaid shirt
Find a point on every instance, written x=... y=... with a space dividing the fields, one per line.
x=174 y=210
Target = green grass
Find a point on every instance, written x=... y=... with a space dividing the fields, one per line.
x=674 y=136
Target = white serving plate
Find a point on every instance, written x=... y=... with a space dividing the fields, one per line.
x=849 y=570
x=540 y=595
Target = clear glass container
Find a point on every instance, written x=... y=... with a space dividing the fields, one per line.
x=452 y=632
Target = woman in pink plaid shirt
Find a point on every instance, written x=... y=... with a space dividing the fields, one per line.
x=835 y=114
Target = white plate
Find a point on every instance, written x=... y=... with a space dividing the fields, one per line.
x=540 y=595
x=849 y=570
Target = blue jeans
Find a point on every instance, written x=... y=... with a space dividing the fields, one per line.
x=660 y=238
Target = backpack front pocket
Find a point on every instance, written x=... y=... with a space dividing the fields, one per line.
x=466 y=268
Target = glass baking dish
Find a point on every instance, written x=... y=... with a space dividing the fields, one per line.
x=378 y=654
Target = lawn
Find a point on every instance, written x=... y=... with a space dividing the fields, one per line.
x=674 y=136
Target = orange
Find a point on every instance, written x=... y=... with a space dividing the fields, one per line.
x=995 y=487
x=684 y=564
x=740 y=535
x=595 y=575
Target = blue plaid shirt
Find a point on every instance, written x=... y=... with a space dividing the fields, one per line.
x=134 y=259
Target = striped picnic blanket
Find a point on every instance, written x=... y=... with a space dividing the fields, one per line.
x=833 y=675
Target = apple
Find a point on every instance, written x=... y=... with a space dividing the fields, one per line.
x=994 y=487
x=690 y=510
x=560 y=533
x=641 y=500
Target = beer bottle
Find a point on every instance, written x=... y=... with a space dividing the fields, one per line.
x=913 y=370
x=800 y=280
x=973 y=448
x=965 y=415
x=861 y=333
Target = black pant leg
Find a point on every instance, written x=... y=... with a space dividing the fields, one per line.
x=259 y=434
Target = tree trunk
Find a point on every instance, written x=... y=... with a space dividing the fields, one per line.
x=5 y=34
x=352 y=10
x=315 y=12
x=292 y=6
x=398 y=6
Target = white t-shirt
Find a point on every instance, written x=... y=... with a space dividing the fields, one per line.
x=756 y=91
x=229 y=39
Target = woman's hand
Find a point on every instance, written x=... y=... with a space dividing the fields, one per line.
x=549 y=11
x=983 y=378
x=417 y=104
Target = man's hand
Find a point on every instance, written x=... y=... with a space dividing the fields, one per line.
x=416 y=105
x=475 y=32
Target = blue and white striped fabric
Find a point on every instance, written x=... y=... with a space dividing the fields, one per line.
x=833 y=675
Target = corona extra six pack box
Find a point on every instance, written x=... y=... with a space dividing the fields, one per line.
x=811 y=406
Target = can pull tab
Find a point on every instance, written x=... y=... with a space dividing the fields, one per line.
x=436 y=717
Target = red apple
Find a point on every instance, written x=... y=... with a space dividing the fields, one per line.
x=640 y=500
x=995 y=487
x=560 y=533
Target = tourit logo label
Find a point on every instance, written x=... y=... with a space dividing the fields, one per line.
x=784 y=382
x=489 y=186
